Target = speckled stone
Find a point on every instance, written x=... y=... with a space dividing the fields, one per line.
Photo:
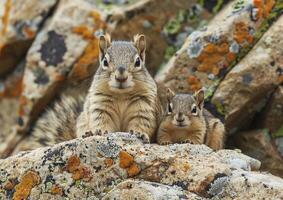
x=19 y=24
x=215 y=48
x=79 y=169
x=247 y=87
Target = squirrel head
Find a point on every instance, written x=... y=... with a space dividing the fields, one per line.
x=122 y=63
x=183 y=109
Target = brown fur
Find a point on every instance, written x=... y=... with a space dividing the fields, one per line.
x=132 y=108
x=198 y=127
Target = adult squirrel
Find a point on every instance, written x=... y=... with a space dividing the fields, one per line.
x=122 y=97
x=185 y=120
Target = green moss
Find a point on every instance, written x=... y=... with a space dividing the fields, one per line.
x=172 y=27
x=278 y=133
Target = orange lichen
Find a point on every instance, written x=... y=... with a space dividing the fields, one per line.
x=280 y=79
x=28 y=181
x=194 y=83
x=242 y=33
x=83 y=31
x=133 y=170
x=56 y=190
x=91 y=52
x=77 y=170
x=126 y=160
x=263 y=8
x=12 y=87
x=108 y=162
x=29 y=33
x=72 y=164
x=209 y=60
x=9 y=185
x=5 y=18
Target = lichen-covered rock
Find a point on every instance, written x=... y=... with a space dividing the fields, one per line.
x=19 y=23
x=247 y=87
x=209 y=53
x=259 y=144
x=92 y=167
x=67 y=45
x=145 y=190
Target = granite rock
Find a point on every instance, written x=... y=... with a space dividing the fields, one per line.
x=93 y=168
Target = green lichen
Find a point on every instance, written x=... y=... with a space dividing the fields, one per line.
x=172 y=27
x=278 y=133
x=169 y=52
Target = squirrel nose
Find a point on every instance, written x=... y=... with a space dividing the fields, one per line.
x=180 y=118
x=121 y=69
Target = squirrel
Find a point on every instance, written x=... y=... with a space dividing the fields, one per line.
x=185 y=120
x=121 y=97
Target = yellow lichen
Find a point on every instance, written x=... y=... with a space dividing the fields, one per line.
x=28 y=181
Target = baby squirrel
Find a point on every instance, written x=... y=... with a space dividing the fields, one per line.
x=121 y=97
x=186 y=121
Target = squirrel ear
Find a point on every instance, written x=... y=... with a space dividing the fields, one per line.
x=104 y=43
x=199 y=96
x=170 y=94
x=140 y=43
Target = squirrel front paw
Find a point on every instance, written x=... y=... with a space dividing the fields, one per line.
x=144 y=137
x=165 y=143
x=186 y=141
x=100 y=132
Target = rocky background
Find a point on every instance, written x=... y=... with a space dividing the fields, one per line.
x=233 y=49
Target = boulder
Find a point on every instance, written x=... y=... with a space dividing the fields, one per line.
x=19 y=23
x=66 y=48
x=271 y=117
x=93 y=168
x=246 y=88
x=259 y=144
x=209 y=53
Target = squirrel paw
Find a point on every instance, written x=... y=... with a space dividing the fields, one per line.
x=165 y=143
x=144 y=137
x=100 y=132
x=187 y=141
x=88 y=134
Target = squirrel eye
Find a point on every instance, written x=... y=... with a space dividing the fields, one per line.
x=138 y=62
x=194 y=110
x=105 y=62
x=170 y=108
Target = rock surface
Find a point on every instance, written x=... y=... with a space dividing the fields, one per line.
x=19 y=23
x=207 y=54
x=247 y=87
x=93 y=166
x=67 y=45
x=259 y=144
x=271 y=117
